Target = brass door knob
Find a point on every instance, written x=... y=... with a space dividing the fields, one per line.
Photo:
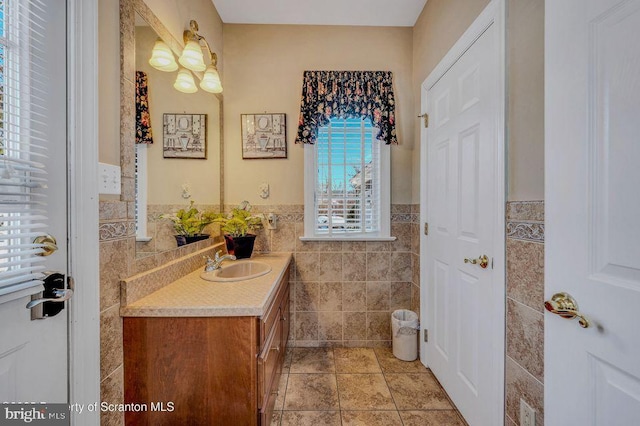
x=564 y=305
x=482 y=261
x=47 y=243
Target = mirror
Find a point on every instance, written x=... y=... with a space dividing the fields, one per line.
x=183 y=163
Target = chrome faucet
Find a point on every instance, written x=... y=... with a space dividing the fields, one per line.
x=213 y=264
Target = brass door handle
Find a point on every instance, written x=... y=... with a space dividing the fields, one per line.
x=47 y=243
x=482 y=261
x=564 y=305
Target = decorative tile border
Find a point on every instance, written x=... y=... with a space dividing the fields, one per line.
x=291 y=217
x=401 y=218
x=525 y=220
x=415 y=213
x=528 y=231
x=116 y=230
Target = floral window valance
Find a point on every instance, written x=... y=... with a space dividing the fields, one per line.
x=347 y=94
x=143 y=119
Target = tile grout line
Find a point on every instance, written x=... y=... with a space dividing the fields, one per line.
x=525 y=370
x=384 y=376
x=453 y=405
x=286 y=387
x=335 y=375
x=378 y=357
x=537 y=311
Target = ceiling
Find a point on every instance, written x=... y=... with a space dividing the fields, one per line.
x=386 y=13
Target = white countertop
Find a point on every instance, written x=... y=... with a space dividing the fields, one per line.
x=191 y=296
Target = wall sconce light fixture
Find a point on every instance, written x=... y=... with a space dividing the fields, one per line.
x=192 y=59
x=184 y=82
x=162 y=57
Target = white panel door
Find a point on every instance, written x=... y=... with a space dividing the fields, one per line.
x=463 y=303
x=33 y=353
x=592 y=247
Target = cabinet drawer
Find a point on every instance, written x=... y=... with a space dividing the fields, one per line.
x=268 y=364
x=272 y=316
x=286 y=318
x=266 y=413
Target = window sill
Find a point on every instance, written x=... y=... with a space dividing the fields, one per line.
x=347 y=238
x=143 y=239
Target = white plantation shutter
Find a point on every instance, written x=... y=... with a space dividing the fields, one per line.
x=141 y=191
x=23 y=140
x=350 y=184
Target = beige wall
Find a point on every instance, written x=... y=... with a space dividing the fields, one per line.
x=175 y=15
x=264 y=65
x=437 y=29
x=166 y=176
x=525 y=120
x=109 y=77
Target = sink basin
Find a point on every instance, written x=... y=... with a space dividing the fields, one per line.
x=237 y=271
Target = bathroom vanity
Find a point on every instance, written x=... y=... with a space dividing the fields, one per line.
x=210 y=352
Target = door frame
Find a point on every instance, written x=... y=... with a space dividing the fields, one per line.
x=493 y=14
x=84 y=261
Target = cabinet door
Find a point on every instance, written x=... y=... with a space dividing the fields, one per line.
x=285 y=318
x=268 y=364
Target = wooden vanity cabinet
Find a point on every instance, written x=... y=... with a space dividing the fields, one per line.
x=215 y=370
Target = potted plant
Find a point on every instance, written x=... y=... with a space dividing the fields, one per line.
x=189 y=223
x=236 y=227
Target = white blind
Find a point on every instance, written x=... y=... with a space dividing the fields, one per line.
x=23 y=140
x=347 y=187
x=141 y=191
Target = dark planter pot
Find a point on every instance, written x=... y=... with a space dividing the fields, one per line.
x=240 y=247
x=183 y=239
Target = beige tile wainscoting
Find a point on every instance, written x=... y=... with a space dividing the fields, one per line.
x=525 y=304
x=343 y=293
x=117 y=262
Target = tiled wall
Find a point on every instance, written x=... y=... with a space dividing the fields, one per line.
x=117 y=225
x=118 y=261
x=525 y=304
x=343 y=293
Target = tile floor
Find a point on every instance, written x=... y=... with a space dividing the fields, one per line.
x=359 y=386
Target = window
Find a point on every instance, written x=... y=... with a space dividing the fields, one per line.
x=23 y=140
x=347 y=183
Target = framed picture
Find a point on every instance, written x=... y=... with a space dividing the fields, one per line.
x=264 y=136
x=184 y=136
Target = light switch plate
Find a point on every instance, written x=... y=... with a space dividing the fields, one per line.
x=109 y=179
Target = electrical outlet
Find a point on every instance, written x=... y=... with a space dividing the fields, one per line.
x=527 y=414
x=272 y=220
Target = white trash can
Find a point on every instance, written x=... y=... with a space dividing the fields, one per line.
x=404 y=326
